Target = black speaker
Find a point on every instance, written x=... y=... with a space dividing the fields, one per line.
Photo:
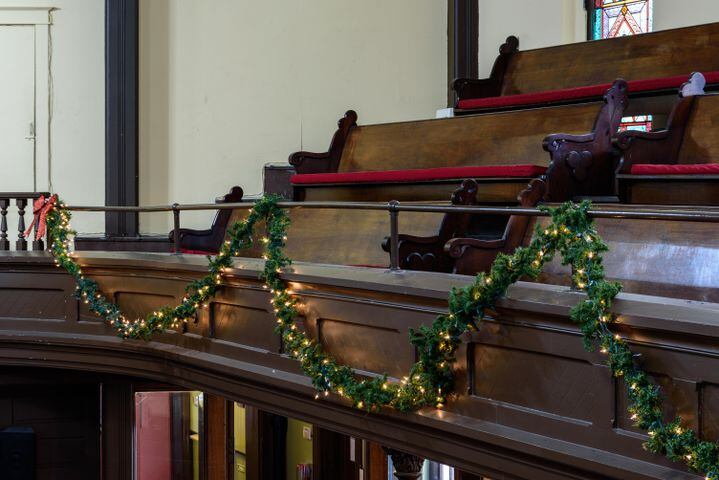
x=17 y=453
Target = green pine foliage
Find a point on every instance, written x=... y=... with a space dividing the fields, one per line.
x=429 y=383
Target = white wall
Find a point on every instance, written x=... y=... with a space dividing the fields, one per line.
x=229 y=85
x=77 y=129
x=536 y=24
x=673 y=14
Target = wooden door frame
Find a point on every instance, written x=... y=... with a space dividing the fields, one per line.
x=40 y=18
x=462 y=43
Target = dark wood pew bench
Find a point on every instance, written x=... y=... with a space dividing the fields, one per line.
x=488 y=235
x=653 y=64
x=208 y=241
x=359 y=237
x=580 y=164
x=678 y=165
x=427 y=160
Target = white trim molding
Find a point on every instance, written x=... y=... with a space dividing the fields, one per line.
x=26 y=15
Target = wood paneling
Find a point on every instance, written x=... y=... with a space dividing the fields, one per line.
x=670 y=259
x=366 y=347
x=550 y=384
x=251 y=325
x=136 y=304
x=33 y=303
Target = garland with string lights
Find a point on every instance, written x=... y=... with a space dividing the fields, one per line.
x=571 y=234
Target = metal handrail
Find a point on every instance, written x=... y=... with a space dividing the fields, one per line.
x=676 y=214
x=394 y=208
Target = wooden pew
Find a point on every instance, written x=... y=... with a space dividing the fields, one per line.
x=579 y=165
x=471 y=254
x=427 y=160
x=458 y=231
x=678 y=165
x=653 y=64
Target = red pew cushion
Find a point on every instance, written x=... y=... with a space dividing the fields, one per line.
x=567 y=94
x=420 y=175
x=692 y=169
x=196 y=252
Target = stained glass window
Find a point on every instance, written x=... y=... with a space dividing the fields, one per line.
x=617 y=18
x=643 y=123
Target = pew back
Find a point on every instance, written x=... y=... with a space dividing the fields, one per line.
x=678 y=165
x=508 y=138
x=655 y=55
x=701 y=137
x=654 y=257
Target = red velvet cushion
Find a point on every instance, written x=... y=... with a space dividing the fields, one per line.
x=548 y=96
x=196 y=252
x=693 y=169
x=567 y=94
x=420 y=175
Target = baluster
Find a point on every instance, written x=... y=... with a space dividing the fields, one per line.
x=21 y=243
x=36 y=244
x=4 y=242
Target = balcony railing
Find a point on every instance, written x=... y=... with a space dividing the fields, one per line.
x=20 y=200
x=394 y=208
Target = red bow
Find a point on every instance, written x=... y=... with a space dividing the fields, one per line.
x=40 y=209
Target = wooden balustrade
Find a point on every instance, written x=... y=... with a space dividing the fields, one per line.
x=21 y=201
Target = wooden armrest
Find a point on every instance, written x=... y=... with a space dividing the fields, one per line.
x=552 y=142
x=189 y=232
x=456 y=246
x=623 y=140
x=467 y=88
x=644 y=147
x=409 y=239
x=310 y=162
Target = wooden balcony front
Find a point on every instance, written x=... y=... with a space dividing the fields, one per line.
x=529 y=403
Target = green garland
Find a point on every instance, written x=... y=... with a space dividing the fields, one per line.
x=430 y=380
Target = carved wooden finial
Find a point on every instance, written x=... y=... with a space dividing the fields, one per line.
x=533 y=194
x=509 y=46
x=694 y=86
x=466 y=194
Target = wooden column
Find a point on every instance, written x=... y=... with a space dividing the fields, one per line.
x=377 y=462
x=406 y=465
x=463 y=42
x=266 y=434
x=331 y=455
x=121 y=114
x=218 y=431
x=117 y=420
